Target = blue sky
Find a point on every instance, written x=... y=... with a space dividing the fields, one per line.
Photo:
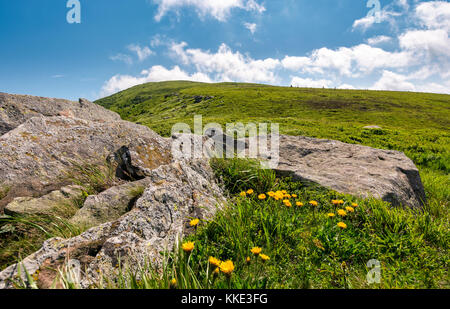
x=320 y=43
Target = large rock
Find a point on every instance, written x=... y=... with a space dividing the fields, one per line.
x=53 y=203
x=110 y=204
x=17 y=109
x=37 y=156
x=175 y=194
x=353 y=169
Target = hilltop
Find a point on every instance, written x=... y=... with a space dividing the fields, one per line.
x=415 y=123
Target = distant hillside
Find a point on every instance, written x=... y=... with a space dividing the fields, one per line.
x=416 y=123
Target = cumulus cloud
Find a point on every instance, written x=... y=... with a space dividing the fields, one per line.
x=141 y=52
x=347 y=61
x=434 y=15
x=219 y=9
x=393 y=81
x=154 y=74
x=226 y=65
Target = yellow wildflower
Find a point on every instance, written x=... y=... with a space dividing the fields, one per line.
x=215 y=262
x=335 y=202
x=314 y=203
x=294 y=195
x=256 y=250
x=264 y=257
x=342 y=213
x=341 y=202
x=299 y=204
x=271 y=194
x=250 y=192
x=331 y=215
x=243 y=194
x=227 y=267
x=188 y=246
x=287 y=203
x=262 y=196
x=173 y=283
x=354 y=205
x=350 y=209
x=342 y=225
x=194 y=222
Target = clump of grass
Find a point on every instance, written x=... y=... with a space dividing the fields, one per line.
x=21 y=235
x=94 y=178
x=238 y=174
x=4 y=191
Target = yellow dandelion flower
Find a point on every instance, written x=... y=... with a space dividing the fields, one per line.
x=287 y=203
x=250 y=192
x=188 y=246
x=342 y=212
x=299 y=204
x=256 y=250
x=216 y=271
x=342 y=225
x=248 y=260
x=194 y=222
x=264 y=257
x=243 y=194
x=331 y=215
x=314 y=203
x=335 y=202
x=262 y=196
x=271 y=194
x=354 y=205
x=294 y=195
x=173 y=283
x=215 y=262
x=341 y=202
x=227 y=267
x=350 y=209
x=284 y=191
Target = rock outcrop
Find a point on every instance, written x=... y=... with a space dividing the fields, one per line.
x=175 y=194
x=353 y=169
x=110 y=205
x=17 y=109
x=49 y=204
x=37 y=156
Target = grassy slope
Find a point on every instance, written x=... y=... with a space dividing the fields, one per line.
x=415 y=123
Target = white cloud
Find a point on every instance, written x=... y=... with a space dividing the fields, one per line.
x=219 y=9
x=393 y=81
x=141 y=52
x=311 y=83
x=226 y=65
x=379 y=40
x=123 y=58
x=351 y=61
x=251 y=27
x=434 y=15
x=368 y=21
x=154 y=74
